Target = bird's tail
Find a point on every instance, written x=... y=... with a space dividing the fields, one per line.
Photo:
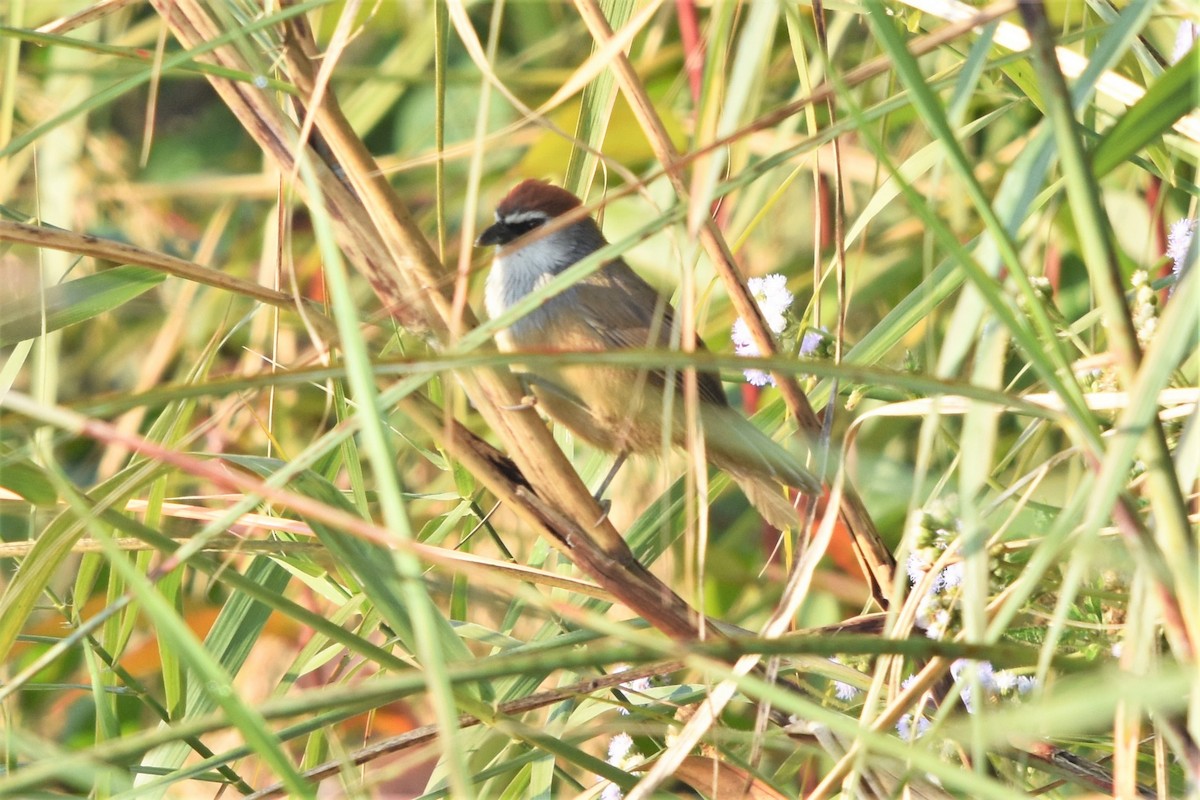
x=760 y=466
x=769 y=500
x=736 y=446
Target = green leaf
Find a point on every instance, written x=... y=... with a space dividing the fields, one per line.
x=73 y=302
x=595 y=110
x=1172 y=95
x=28 y=480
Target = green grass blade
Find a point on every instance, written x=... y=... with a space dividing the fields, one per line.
x=1170 y=97
x=73 y=302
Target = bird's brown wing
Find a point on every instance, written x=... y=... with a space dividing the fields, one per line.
x=627 y=313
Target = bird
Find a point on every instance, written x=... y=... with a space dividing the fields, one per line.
x=616 y=408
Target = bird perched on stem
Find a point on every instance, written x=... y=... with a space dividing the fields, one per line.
x=618 y=409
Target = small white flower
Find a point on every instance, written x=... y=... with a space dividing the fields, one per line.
x=811 y=341
x=611 y=792
x=986 y=681
x=635 y=686
x=925 y=612
x=773 y=298
x=918 y=564
x=984 y=669
x=949 y=578
x=844 y=691
x=621 y=755
x=993 y=682
x=968 y=698
x=987 y=676
x=260 y=82
x=1179 y=246
x=1185 y=37
x=640 y=685
x=910 y=727
x=756 y=377
x=1005 y=681
x=743 y=343
x=619 y=748
x=939 y=624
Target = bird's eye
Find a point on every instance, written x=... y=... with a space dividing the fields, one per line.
x=525 y=226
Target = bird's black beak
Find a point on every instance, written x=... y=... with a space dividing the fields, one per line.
x=498 y=234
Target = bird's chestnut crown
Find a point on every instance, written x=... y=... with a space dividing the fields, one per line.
x=529 y=205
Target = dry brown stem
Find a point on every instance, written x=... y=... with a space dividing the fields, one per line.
x=380 y=239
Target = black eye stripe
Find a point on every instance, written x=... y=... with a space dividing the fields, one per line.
x=525 y=226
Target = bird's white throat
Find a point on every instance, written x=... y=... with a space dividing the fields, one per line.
x=517 y=272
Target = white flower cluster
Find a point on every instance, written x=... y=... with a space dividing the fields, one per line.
x=932 y=531
x=814 y=342
x=1179 y=247
x=995 y=685
x=774 y=300
x=844 y=691
x=913 y=727
x=621 y=753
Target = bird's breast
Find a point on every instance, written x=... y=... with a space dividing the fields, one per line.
x=512 y=278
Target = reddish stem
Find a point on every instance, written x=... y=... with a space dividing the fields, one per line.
x=693 y=47
x=1158 y=227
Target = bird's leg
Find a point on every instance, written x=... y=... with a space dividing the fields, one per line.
x=528 y=400
x=612 y=473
